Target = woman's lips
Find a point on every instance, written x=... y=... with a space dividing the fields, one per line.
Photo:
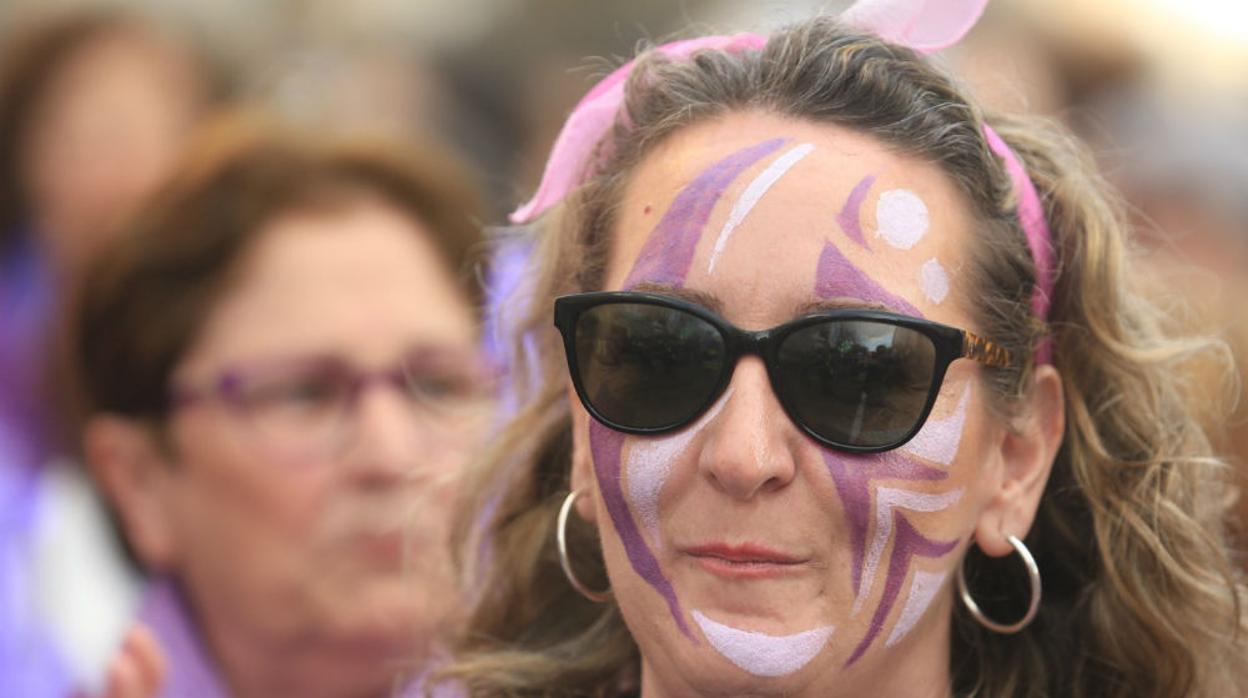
x=745 y=561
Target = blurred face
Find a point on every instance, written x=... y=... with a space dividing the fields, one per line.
x=326 y=405
x=748 y=558
x=107 y=129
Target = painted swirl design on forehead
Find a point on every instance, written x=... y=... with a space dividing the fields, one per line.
x=668 y=252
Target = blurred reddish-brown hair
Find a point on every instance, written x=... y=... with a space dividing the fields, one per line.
x=143 y=302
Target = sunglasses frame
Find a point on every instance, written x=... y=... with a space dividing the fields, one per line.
x=950 y=344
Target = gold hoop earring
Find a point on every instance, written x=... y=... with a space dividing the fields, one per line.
x=1033 y=576
x=561 y=539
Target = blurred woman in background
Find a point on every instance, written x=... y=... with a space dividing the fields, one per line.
x=94 y=109
x=280 y=366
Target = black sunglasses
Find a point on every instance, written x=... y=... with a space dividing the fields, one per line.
x=856 y=380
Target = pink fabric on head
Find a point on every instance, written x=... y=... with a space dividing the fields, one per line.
x=594 y=116
x=926 y=26
x=1036 y=227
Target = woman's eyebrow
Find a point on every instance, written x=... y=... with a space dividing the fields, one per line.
x=707 y=300
x=816 y=306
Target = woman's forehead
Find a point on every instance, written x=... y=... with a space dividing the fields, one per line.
x=760 y=204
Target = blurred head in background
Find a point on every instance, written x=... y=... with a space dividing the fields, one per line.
x=279 y=359
x=94 y=109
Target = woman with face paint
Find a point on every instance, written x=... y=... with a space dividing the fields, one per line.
x=847 y=376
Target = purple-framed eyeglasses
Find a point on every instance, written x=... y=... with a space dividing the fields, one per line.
x=306 y=407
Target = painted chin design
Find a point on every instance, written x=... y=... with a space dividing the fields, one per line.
x=880 y=533
x=763 y=655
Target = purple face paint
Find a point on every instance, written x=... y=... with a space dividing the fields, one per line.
x=668 y=252
x=901 y=218
x=939 y=439
x=852 y=476
x=887 y=500
x=761 y=654
x=753 y=194
x=665 y=258
x=907 y=545
x=935 y=281
x=924 y=586
x=836 y=276
x=850 y=215
x=606 y=445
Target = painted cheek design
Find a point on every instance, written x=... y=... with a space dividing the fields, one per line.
x=923 y=589
x=850 y=215
x=753 y=193
x=908 y=544
x=649 y=463
x=760 y=654
x=668 y=252
x=901 y=218
x=934 y=280
x=852 y=476
x=605 y=446
x=939 y=439
x=887 y=499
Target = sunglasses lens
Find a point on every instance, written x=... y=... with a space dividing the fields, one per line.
x=647 y=366
x=857 y=383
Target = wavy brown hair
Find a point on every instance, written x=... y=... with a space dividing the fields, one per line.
x=1140 y=596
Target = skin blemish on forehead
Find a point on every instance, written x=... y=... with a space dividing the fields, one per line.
x=837 y=277
x=908 y=544
x=934 y=280
x=850 y=216
x=939 y=439
x=901 y=218
x=753 y=193
x=646 y=210
x=760 y=654
x=668 y=252
x=888 y=499
x=649 y=463
x=923 y=589
x=605 y=446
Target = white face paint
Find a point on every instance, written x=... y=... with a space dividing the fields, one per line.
x=939 y=439
x=753 y=193
x=760 y=654
x=886 y=500
x=901 y=218
x=649 y=463
x=934 y=280
x=923 y=589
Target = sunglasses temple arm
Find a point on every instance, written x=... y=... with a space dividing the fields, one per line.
x=984 y=351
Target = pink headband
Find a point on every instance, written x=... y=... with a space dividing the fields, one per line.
x=925 y=26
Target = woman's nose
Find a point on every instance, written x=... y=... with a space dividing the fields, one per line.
x=386 y=440
x=748 y=451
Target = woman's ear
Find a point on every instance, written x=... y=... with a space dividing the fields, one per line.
x=583 y=480
x=1025 y=454
x=129 y=466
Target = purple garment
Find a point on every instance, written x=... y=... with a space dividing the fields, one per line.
x=27 y=305
x=30 y=664
x=191 y=673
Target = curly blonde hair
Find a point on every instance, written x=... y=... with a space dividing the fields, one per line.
x=1140 y=598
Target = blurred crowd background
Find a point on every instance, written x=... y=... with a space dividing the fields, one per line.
x=97 y=101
